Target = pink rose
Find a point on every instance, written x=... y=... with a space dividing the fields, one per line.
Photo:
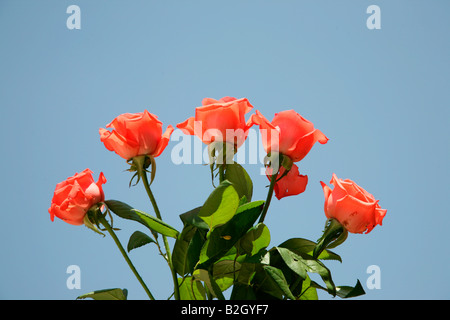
x=292 y=136
x=289 y=134
x=75 y=196
x=136 y=134
x=354 y=208
x=219 y=120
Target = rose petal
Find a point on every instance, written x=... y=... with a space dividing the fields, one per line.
x=165 y=138
x=269 y=133
x=292 y=128
x=327 y=192
x=219 y=120
x=302 y=146
x=355 y=215
x=187 y=126
x=208 y=101
x=291 y=184
x=117 y=143
x=147 y=132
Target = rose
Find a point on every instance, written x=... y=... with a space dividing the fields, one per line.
x=136 y=134
x=219 y=120
x=289 y=134
x=74 y=197
x=354 y=208
x=292 y=136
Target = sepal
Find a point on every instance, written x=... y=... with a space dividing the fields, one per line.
x=91 y=221
x=139 y=165
x=333 y=235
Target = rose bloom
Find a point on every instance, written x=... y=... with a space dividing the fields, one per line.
x=293 y=136
x=354 y=208
x=289 y=134
x=219 y=120
x=75 y=196
x=135 y=134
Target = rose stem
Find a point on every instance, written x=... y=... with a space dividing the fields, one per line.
x=223 y=165
x=269 y=197
x=166 y=243
x=104 y=222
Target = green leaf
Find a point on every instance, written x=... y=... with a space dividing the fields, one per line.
x=308 y=292
x=226 y=268
x=191 y=217
x=242 y=292
x=179 y=253
x=302 y=263
x=123 y=210
x=278 y=276
x=300 y=246
x=223 y=238
x=220 y=206
x=138 y=239
x=187 y=249
x=255 y=239
x=350 y=292
x=157 y=225
x=294 y=262
x=240 y=179
x=203 y=275
x=106 y=294
x=194 y=249
x=225 y=272
x=246 y=273
x=191 y=289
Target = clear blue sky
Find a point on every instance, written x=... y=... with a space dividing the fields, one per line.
x=381 y=96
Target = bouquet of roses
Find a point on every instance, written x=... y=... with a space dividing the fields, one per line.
x=223 y=244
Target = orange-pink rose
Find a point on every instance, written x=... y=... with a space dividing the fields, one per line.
x=75 y=196
x=293 y=136
x=136 y=134
x=219 y=120
x=354 y=208
x=289 y=134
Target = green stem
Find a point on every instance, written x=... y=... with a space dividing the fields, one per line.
x=269 y=197
x=166 y=243
x=221 y=173
x=105 y=223
x=223 y=165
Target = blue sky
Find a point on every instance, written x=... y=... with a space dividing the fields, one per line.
x=381 y=96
